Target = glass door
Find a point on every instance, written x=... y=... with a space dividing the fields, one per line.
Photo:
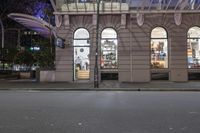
x=81 y=63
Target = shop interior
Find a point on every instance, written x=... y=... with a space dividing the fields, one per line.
x=159 y=57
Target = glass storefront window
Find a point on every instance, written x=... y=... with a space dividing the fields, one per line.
x=193 y=47
x=159 y=48
x=81 y=54
x=109 y=49
x=81 y=37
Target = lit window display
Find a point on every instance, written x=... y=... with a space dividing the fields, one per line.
x=81 y=54
x=193 y=48
x=108 y=49
x=159 y=48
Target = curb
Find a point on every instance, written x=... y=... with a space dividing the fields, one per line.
x=101 y=89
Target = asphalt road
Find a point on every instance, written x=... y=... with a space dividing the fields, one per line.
x=99 y=112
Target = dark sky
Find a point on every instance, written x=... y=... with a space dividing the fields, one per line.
x=16 y=6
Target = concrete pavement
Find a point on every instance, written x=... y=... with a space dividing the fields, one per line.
x=99 y=112
x=104 y=86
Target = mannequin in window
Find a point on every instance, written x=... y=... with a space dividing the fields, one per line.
x=78 y=62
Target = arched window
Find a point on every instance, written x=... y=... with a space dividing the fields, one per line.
x=81 y=37
x=81 y=54
x=193 y=47
x=159 y=48
x=109 y=49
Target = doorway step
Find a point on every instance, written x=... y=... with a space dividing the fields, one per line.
x=83 y=74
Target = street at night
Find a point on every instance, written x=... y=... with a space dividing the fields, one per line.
x=99 y=66
x=99 y=112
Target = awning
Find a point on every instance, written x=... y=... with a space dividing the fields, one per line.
x=138 y=8
x=40 y=26
x=128 y=6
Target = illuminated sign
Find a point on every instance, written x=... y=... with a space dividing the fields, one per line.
x=59 y=42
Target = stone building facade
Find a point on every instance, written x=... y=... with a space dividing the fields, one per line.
x=134 y=46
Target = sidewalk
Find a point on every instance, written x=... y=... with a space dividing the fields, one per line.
x=104 y=86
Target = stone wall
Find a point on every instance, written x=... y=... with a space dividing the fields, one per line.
x=133 y=45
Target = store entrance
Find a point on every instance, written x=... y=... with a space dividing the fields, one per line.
x=81 y=63
x=109 y=55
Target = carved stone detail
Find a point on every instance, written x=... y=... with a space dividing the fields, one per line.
x=178 y=18
x=58 y=19
x=140 y=18
x=66 y=20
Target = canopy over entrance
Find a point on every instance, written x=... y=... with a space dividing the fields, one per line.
x=127 y=6
x=40 y=26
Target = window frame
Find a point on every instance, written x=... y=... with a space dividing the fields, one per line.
x=159 y=38
x=189 y=38
x=114 y=39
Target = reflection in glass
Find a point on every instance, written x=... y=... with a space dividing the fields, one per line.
x=109 y=49
x=81 y=33
x=81 y=54
x=193 y=49
x=159 y=48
